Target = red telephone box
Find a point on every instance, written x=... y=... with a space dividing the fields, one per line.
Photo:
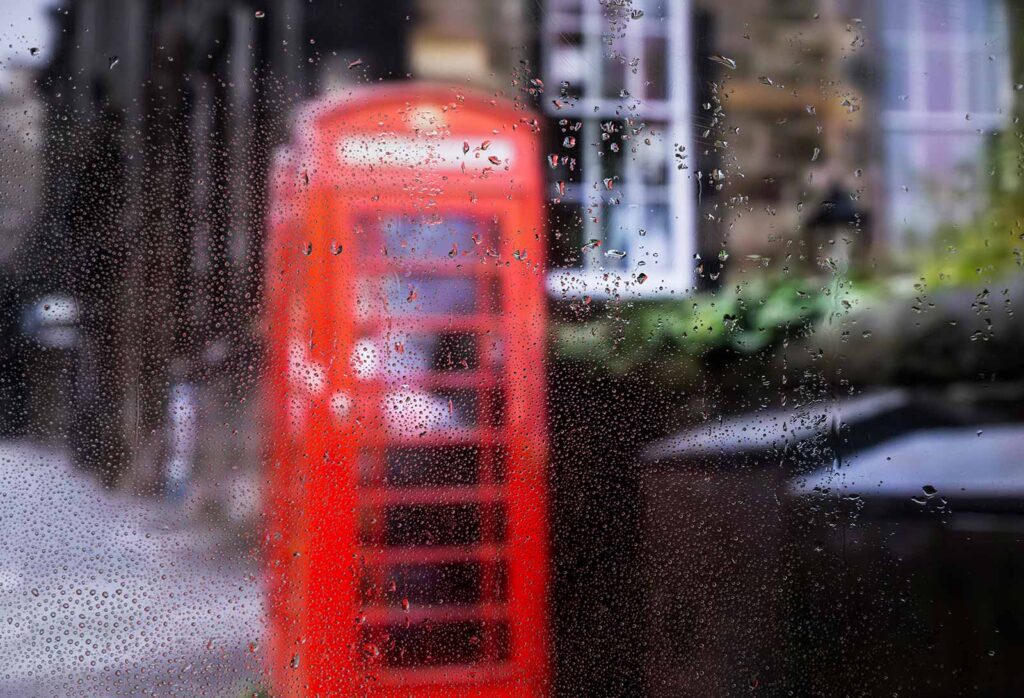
x=407 y=525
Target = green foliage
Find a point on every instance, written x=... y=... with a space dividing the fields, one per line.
x=989 y=247
x=746 y=319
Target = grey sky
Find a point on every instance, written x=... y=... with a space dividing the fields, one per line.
x=24 y=24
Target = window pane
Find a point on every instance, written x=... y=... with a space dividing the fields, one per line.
x=511 y=348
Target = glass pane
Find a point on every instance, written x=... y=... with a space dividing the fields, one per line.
x=424 y=239
x=940 y=80
x=511 y=348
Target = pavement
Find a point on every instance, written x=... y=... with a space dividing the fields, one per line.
x=106 y=594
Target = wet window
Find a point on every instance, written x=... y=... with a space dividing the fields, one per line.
x=511 y=348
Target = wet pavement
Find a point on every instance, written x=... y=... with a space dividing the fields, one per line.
x=105 y=594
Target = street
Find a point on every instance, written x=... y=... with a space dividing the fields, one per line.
x=104 y=594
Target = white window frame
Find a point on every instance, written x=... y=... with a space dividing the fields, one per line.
x=918 y=119
x=667 y=276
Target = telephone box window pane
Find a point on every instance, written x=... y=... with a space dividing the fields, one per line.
x=439 y=644
x=433 y=296
x=501 y=463
x=455 y=351
x=413 y=412
x=448 y=584
x=432 y=466
x=498 y=588
x=366 y=463
x=430 y=238
x=463 y=407
x=430 y=585
x=417 y=355
x=433 y=524
x=496 y=407
x=410 y=411
x=499 y=521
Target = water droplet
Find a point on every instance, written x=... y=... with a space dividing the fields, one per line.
x=929 y=490
x=723 y=60
x=617 y=254
x=307 y=249
x=815 y=154
x=355 y=64
x=765 y=80
x=34 y=51
x=641 y=277
x=294 y=664
x=112 y=61
x=260 y=14
x=722 y=255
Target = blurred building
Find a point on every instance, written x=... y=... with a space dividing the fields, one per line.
x=620 y=94
x=160 y=120
x=21 y=111
x=20 y=150
x=687 y=141
x=892 y=105
x=947 y=92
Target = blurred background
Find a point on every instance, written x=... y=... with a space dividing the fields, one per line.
x=783 y=371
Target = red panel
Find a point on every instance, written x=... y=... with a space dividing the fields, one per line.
x=407 y=523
